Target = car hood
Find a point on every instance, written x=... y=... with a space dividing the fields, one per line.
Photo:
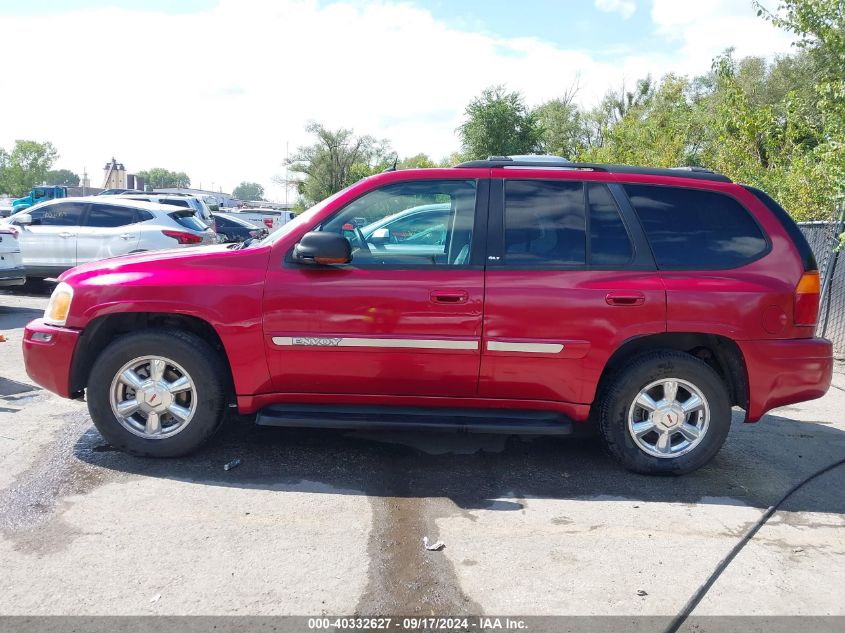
x=155 y=262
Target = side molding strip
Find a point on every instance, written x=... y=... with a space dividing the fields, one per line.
x=335 y=341
x=535 y=348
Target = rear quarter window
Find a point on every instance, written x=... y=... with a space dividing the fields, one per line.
x=694 y=229
x=189 y=220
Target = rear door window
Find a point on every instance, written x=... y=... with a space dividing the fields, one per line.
x=610 y=244
x=693 y=229
x=107 y=216
x=544 y=223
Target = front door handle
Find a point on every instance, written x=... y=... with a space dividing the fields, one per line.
x=65 y=234
x=449 y=296
x=625 y=298
x=126 y=236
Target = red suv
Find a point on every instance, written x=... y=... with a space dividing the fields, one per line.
x=517 y=295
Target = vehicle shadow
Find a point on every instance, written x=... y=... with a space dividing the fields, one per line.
x=13 y=317
x=33 y=287
x=756 y=466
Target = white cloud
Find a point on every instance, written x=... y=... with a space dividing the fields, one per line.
x=624 y=8
x=218 y=93
x=705 y=29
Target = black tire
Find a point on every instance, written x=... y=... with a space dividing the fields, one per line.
x=198 y=358
x=624 y=386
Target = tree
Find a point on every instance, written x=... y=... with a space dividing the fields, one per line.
x=62 y=177
x=498 y=123
x=562 y=124
x=418 y=161
x=248 y=191
x=820 y=27
x=25 y=166
x=335 y=160
x=160 y=178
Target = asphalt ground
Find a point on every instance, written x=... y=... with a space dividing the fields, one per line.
x=325 y=522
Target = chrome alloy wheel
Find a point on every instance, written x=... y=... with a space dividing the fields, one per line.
x=153 y=397
x=668 y=418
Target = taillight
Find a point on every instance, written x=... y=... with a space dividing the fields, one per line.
x=9 y=230
x=268 y=222
x=183 y=237
x=806 y=310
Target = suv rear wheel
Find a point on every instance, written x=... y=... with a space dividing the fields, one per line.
x=665 y=413
x=157 y=394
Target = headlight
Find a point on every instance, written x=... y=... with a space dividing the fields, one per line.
x=59 y=306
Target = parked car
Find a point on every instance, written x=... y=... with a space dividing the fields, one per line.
x=234 y=229
x=646 y=302
x=177 y=200
x=421 y=230
x=60 y=234
x=11 y=267
x=5 y=209
x=271 y=218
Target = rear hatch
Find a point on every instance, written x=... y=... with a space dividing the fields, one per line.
x=10 y=252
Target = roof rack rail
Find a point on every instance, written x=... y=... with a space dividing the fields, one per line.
x=695 y=173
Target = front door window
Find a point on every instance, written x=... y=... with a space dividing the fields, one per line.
x=422 y=223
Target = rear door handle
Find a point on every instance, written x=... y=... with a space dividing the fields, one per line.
x=65 y=234
x=126 y=236
x=449 y=296
x=625 y=298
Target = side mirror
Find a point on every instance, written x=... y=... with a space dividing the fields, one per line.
x=322 y=247
x=379 y=236
x=22 y=219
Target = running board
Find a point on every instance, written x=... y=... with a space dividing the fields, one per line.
x=372 y=418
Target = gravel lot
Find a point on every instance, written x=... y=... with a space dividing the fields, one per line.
x=321 y=522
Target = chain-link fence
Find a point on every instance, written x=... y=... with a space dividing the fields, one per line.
x=824 y=240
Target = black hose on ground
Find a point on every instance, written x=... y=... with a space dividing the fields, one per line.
x=696 y=598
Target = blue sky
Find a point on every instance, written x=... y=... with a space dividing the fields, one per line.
x=567 y=23
x=241 y=78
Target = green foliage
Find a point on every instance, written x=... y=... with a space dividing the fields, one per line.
x=25 y=166
x=656 y=125
x=499 y=123
x=419 y=161
x=62 y=177
x=249 y=191
x=160 y=178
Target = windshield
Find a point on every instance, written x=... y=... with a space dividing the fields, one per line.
x=302 y=218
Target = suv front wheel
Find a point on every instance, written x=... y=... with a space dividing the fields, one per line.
x=157 y=393
x=666 y=412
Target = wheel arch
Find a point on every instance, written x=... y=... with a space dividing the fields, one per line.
x=722 y=354
x=104 y=329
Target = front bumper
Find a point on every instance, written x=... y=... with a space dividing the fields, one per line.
x=47 y=355
x=782 y=372
x=12 y=277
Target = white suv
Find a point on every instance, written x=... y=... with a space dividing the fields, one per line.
x=60 y=234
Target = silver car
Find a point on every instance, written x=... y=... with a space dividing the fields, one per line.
x=60 y=234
